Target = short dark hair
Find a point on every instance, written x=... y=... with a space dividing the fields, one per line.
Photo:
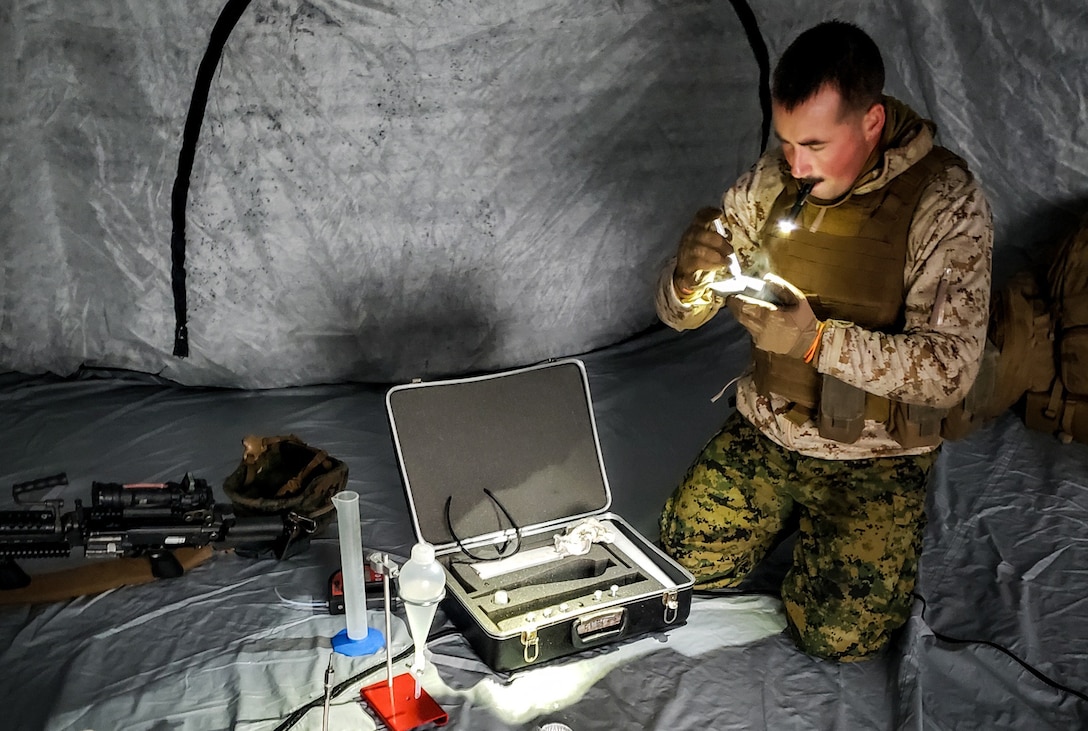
x=834 y=53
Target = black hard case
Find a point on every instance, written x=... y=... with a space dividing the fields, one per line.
x=527 y=437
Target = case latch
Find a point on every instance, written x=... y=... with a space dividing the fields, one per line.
x=671 y=600
x=530 y=645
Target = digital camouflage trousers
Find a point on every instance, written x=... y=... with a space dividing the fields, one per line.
x=856 y=554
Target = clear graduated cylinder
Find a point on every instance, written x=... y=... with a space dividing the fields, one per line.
x=351 y=562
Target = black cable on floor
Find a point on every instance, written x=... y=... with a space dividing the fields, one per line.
x=1023 y=663
x=296 y=715
x=939 y=635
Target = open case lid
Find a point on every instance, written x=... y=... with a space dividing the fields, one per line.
x=527 y=435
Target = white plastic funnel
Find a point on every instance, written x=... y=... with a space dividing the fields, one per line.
x=422 y=585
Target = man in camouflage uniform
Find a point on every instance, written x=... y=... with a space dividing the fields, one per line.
x=886 y=280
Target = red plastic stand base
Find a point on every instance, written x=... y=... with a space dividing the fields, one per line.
x=399 y=709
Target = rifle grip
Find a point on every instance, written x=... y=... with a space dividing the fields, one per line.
x=164 y=564
x=12 y=576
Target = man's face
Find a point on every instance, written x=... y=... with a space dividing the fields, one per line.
x=825 y=144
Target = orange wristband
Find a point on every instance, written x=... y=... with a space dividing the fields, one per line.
x=811 y=352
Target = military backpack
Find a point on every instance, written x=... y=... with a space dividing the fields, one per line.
x=1061 y=408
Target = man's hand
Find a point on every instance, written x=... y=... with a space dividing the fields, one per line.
x=788 y=328
x=702 y=250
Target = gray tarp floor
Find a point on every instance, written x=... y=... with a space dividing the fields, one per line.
x=235 y=644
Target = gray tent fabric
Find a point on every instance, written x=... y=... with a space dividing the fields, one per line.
x=387 y=191
x=378 y=192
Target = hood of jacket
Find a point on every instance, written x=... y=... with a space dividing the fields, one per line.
x=906 y=139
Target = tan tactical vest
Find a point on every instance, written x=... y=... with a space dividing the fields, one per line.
x=851 y=268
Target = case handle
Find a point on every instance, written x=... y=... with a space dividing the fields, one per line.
x=595 y=629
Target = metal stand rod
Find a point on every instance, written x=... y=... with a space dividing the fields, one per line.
x=328 y=694
x=388 y=626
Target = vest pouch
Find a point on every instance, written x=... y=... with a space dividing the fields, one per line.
x=842 y=411
x=979 y=403
x=914 y=425
x=981 y=394
x=1073 y=354
x=1056 y=412
x=791 y=378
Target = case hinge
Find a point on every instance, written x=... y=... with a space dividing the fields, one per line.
x=671 y=600
x=530 y=645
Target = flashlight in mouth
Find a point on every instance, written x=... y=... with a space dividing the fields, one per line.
x=789 y=223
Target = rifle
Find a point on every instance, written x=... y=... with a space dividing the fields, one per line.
x=136 y=519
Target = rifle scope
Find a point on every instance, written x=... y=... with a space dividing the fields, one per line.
x=179 y=496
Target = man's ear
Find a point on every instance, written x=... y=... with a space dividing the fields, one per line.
x=872 y=124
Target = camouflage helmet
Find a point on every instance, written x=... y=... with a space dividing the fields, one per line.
x=283 y=474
